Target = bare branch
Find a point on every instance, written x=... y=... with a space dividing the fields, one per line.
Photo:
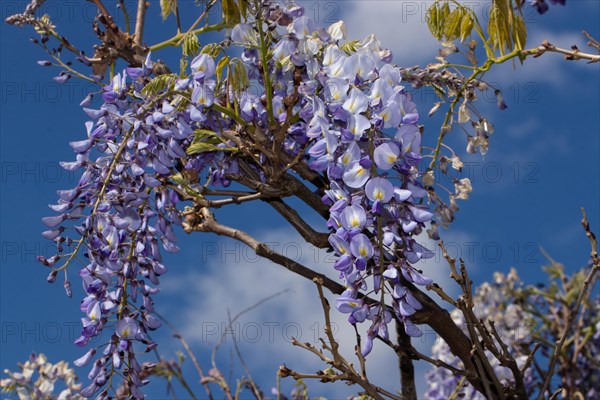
x=575 y=309
x=573 y=55
x=347 y=371
x=187 y=348
x=317 y=239
x=202 y=220
x=140 y=21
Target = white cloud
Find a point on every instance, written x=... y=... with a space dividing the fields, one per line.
x=399 y=26
x=266 y=330
x=522 y=129
x=235 y=279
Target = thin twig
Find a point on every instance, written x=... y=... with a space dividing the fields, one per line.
x=140 y=21
x=238 y=315
x=255 y=391
x=575 y=309
x=187 y=348
x=125 y=15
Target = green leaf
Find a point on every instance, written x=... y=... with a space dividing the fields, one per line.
x=204 y=133
x=206 y=140
x=158 y=84
x=211 y=49
x=231 y=13
x=179 y=179
x=452 y=24
x=519 y=32
x=499 y=26
x=183 y=64
x=166 y=8
x=433 y=21
x=201 y=147
x=223 y=62
x=180 y=102
x=493 y=29
x=243 y=6
x=466 y=26
x=444 y=12
x=191 y=46
x=239 y=77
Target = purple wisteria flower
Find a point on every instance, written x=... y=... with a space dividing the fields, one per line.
x=349 y=115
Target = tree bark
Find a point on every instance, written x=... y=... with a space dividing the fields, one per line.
x=202 y=220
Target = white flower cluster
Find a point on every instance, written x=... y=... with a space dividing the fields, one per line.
x=512 y=325
x=49 y=378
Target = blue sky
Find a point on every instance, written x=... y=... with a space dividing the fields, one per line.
x=542 y=166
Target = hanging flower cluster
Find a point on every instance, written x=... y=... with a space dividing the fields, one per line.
x=344 y=112
x=361 y=128
x=367 y=142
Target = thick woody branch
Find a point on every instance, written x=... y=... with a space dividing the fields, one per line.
x=293 y=186
x=405 y=362
x=441 y=322
x=317 y=239
x=202 y=220
x=309 y=197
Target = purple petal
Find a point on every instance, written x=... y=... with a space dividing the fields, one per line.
x=379 y=189
x=419 y=214
x=411 y=329
x=85 y=359
x=367 y=346
x=361 y=246
x=355 y=175
x=81 y=146
x=54 y=221
x=385 y=155
x=62 y=78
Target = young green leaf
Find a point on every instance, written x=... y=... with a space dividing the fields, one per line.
x=223 y=62
x=166 y=8
x=191 y=46
x=466 y=27
x=231 y=13
x=519 y=32
x=452 y=24
x=433 y=21
x=158 y=84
